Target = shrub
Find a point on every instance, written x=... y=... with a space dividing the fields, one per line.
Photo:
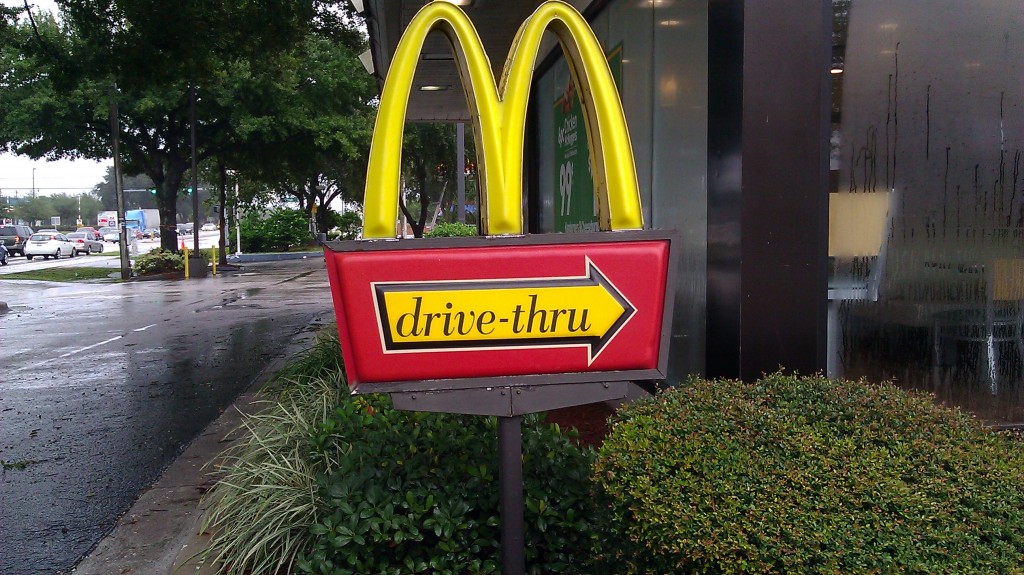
x=326 y=482
x=418 y=493
x=806 y=475
x=345 y=226
x=158 y=261
x=276 y=231
x=451 y=230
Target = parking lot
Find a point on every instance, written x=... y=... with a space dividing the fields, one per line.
x=109 y=257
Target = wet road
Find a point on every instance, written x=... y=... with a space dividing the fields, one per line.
x=102 y=386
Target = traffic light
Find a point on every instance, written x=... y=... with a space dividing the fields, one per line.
x=152 y=191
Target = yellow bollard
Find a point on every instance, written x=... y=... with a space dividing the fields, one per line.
x=213 y=258
x=185 y=251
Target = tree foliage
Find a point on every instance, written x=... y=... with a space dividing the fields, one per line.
x=428 y=163
x=271 y=80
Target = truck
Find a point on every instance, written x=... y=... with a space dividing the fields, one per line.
x=142 y=219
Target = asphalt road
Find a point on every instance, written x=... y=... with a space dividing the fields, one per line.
x=102 y=385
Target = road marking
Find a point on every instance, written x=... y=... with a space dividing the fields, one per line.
x=145 y=328
x=72 y=352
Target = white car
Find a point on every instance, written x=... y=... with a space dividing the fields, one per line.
x=110 y=234
x=208 y=228
x=49 y=244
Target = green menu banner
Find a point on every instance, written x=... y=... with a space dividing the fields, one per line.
x=576 y=204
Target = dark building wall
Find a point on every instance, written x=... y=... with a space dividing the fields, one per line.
x=786 y=57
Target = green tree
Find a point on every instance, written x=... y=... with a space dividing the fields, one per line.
x=91 y=207
x=428 y=163
x=60 y=79
x=314 y=147
x=34 y=208
x=66 y=207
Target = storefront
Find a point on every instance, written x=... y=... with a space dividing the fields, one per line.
x=745 y=119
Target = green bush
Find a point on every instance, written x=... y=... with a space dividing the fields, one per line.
x=158 y=261
x=276 y=231
x=418 y=493
x=345 y=226
x=451 y=230
x=806 y=475
x=326 y=482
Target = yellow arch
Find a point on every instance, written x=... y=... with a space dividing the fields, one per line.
x=499 y=119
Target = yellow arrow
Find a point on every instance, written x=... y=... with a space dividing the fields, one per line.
x=491 y=314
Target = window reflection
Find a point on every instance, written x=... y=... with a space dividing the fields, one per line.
x=932 y=115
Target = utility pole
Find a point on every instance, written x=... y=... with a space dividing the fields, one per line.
x=115 y=144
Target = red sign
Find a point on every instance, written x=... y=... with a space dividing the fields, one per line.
x=475 y=312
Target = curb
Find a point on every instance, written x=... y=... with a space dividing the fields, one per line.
x=161 y=532
x=251 y=258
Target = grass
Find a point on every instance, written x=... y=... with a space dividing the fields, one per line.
x=71 y=274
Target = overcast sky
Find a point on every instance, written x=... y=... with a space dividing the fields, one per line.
x=63 y=176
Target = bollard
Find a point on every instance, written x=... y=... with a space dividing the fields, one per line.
x=185 y=252
x=213 y=258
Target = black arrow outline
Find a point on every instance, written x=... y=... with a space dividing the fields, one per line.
x=595 y=344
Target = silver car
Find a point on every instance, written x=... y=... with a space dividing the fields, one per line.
x=49 y=244
x=84 y=243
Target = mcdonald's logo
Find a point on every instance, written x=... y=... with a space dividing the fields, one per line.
x=499 y=118
x=464 y=313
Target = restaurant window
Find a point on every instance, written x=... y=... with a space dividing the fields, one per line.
x=926 y=242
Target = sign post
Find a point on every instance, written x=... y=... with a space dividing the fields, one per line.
x=504 y=324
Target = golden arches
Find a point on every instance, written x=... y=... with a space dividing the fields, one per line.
x=499 y=119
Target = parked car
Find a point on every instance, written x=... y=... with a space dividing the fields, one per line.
x=13 y=236
x=49 y=244
x=110 y=234
x=151 y=233
x=84 y=243
x=94 y=233
x=3 y=255
x=184 y=229
x=208 y=228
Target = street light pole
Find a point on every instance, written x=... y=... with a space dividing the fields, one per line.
x=33 y=182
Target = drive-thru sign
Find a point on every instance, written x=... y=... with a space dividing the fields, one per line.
x=454 y=314
x=504 y=309
x=506 y=323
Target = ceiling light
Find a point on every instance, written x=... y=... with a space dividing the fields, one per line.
x=836 y=70
x=433 y=88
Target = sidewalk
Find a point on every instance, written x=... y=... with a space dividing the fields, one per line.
x=159 y=535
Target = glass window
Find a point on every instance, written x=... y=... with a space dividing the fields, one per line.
x=927 y=212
